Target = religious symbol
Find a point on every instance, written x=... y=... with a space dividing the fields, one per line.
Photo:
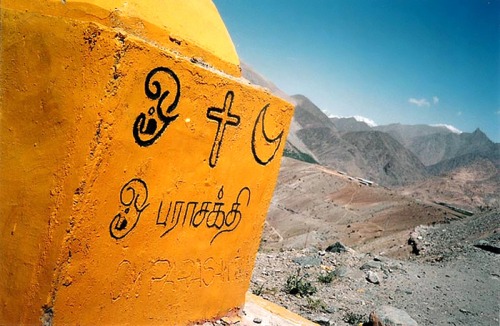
x=264 y=147
x=223 y=117
x=149 y=127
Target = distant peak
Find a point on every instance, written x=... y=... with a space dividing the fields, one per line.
x=358 y=118
x=299 y=97
x=479 y=134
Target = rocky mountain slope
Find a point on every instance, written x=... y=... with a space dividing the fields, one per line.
x=437 y=144
x=294 y=145
x=349 y=124
x=313 y=205
x=475 y=187
x=437 y=147
x=388 y=161
x=369 y=154
x=406 y=134
x=257 y=79
x=341 y=143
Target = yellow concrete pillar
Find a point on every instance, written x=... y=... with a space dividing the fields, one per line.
x=136 y=164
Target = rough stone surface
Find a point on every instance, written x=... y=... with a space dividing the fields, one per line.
x=336 y=247
x=391 y=316
x=492 y=244
x=371 y=265
x=322 y=320
x=308 y=261
x=372 y=277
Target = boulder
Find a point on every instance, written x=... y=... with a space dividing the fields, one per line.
x=488 y=245
x=372 y=277
x=322 y=320
x=371 y=265
x=337 y=247
x=391 y=316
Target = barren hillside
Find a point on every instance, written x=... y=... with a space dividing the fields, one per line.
x=314 y=206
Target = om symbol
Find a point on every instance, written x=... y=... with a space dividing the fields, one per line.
x=133 y=198
x=149 y=127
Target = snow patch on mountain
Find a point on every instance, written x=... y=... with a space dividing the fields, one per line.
x=359 y=118
x=449 y=127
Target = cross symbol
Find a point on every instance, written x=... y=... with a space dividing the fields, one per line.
x=223 y=117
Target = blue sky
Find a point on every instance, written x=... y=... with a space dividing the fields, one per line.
x=407 y=61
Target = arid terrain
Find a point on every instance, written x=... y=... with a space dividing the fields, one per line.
x=449 y=282
x=314 y=205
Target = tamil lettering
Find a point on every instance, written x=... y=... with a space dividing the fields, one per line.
x=216 y=215
x=203 y=214
x=133 y=200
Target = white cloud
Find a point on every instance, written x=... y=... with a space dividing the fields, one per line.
x=435 y=100
x=359 y=118
x=419 y=102
x=449 y=127
x=368 y=121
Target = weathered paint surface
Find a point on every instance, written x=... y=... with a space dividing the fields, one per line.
x=136 y=169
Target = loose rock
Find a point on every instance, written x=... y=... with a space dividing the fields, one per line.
x=337 y=247
x=307 y=261
x=372 y=277
x=490 y=246
x=391 y=316
x=322 y=320
x=371 y=265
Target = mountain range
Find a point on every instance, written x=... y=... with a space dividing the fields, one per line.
x=394 y=155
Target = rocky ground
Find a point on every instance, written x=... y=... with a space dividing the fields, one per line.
x=454 y=279
x=407 y=256
x=471 y=187
x=313 y=205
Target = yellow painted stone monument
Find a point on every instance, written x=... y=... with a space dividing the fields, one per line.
x=136 y=165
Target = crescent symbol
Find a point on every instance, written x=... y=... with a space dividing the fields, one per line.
x=260 y=149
